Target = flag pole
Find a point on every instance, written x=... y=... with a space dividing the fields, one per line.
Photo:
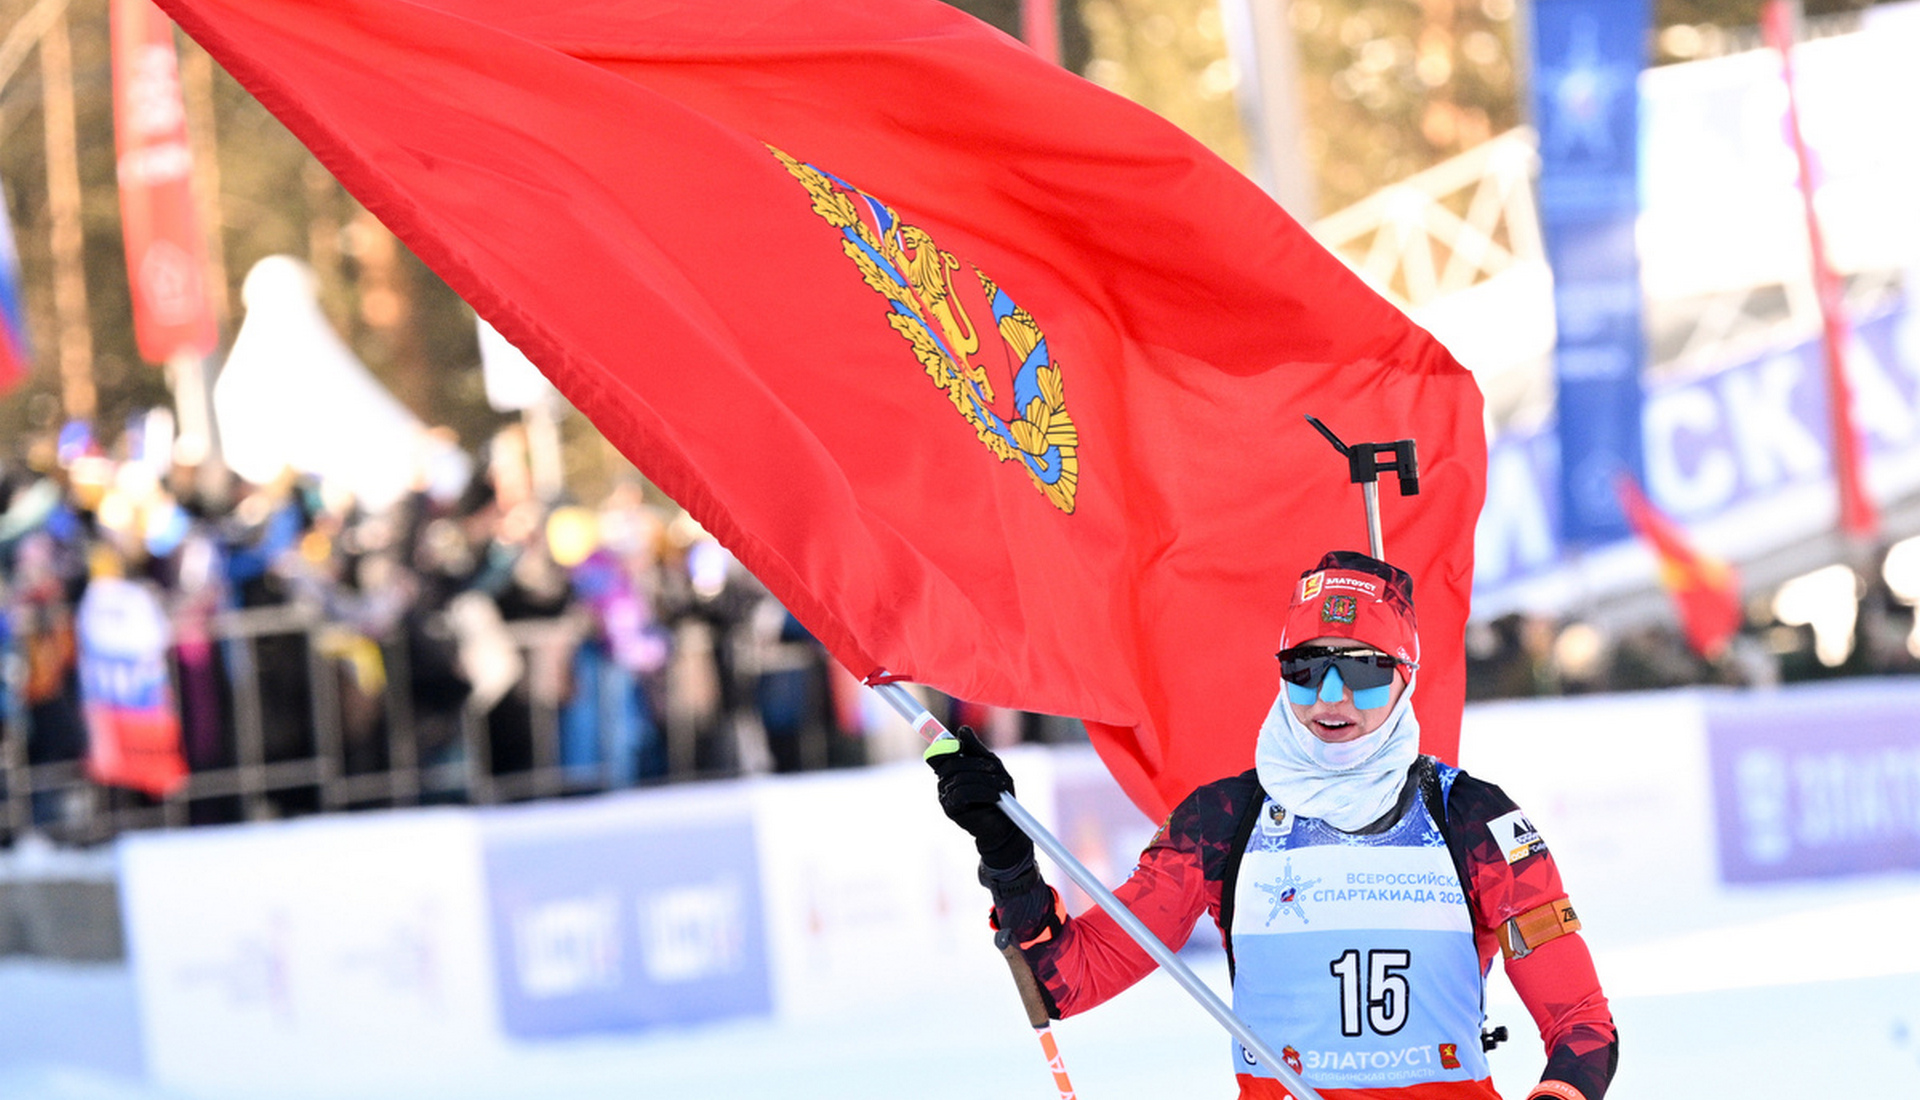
x=930 y=728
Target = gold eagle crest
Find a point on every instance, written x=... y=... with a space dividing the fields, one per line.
x=904 y=265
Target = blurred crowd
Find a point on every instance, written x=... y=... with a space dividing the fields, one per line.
x=1516 y=655
x=500 y=641
x=612 y=643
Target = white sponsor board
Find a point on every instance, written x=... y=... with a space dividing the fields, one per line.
x=1621 y=789
x=871 y=893
x=327 y=956
x=1617 y=787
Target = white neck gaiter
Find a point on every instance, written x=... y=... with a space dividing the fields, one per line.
x=1347 y=785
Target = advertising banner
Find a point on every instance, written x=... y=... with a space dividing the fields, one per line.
x=623 y=914
x=1741 y=456
x=1737 y=445
x=1587 y=56
x=872 y=893
x=1616 y=786
x=1098 y=824
x=1818 y=783
x=166 y=257
x=347 y=954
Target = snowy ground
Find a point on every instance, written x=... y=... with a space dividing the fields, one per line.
x=1784 y=993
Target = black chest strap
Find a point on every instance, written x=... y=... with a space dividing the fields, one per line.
x=1243 y=827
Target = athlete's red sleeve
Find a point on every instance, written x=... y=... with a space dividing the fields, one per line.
x=1520 y=908
x=1558 y=985
x=1091 y=958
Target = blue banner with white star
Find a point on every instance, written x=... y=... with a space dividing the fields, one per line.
x=1587 y=57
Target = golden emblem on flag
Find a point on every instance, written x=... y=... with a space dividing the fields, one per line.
x=904 y=265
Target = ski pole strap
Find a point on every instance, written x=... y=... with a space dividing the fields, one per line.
x=1521 y=935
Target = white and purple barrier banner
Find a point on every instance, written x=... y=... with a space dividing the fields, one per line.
x=1714 y=839
x=333 y=955
x=625 y=913
x=1697 y=792
x=357 y=953
x=869 y=890
x=369 y=951
x=1819 y=783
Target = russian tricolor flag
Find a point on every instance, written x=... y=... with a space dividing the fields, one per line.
x=13 y=329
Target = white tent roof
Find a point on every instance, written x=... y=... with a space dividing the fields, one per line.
x=291 y=394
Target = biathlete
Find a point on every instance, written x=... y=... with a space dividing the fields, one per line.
x=1360 y=888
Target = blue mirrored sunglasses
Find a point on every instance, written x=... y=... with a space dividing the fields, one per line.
x=1368 y=672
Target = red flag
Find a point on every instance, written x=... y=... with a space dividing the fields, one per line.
x=1705 y=589
x=1858 y=515
x=166 y=257
x=995 y=378
x=133 y=727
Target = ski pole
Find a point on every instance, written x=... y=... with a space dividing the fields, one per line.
x=1029 y=988
x=929 y=727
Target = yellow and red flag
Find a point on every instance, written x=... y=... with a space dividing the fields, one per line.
x=994 y=378
x=1705 y=589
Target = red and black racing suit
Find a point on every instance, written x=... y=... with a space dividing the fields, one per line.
x=1082 y=961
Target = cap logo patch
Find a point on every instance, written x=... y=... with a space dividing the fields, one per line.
x=1360 y=584
x=1310 y=586
x=1339 y=608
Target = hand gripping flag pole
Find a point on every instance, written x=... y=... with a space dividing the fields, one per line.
x=929 y=727
x=1365 y=464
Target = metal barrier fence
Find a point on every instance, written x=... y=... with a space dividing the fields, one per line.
x=57 y=800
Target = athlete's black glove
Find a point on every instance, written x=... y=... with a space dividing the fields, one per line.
x=971 y=781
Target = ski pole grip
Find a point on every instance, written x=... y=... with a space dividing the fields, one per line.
x=1029 y=987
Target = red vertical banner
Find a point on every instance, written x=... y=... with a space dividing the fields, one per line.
x=166 y=256
x=1858 y=515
